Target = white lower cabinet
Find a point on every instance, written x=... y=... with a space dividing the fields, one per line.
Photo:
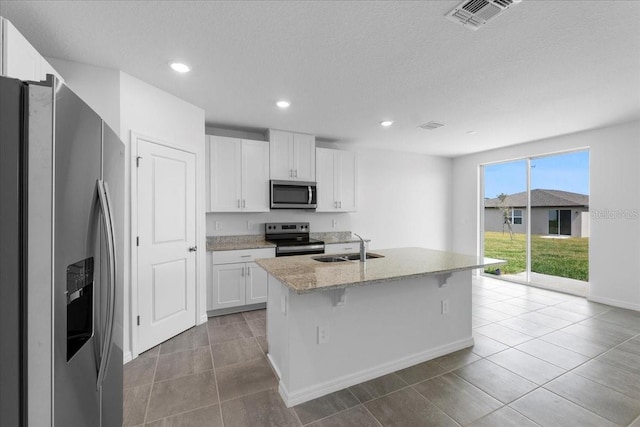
x=236 y=280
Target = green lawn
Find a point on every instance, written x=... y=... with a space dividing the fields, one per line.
x=556 y=257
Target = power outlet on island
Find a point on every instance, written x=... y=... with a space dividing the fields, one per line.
x=445 y=306
x=323 y=334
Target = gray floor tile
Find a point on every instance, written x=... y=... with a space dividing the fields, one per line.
x=525 y=327
x=264 y=408
x=377 y=387
x=229 y=332
x=575 y=343
x=626 y=361
x=264 y=345
x=407 y=408
x=227 y=319
x=258 y=327
x=504 y=417
x=636 y=423
x=193 y=338
x=488 y=314
x=598 y=324
x=182 y=394
x=138 y=372
x=545 y=320
x=325 y=406
x=456 y=359
x=245 y=378
x=135 y=405
x=527 y=366
x=584 y=307
x=552 y=353
x=354 y=417
x=505 y=307
x=503 y=334
x=208 y=416
x=460 y=400
x=623 y=317
x=484 y=346
x=237 y=351
x=612 y=377
x=152 y=352
x=603 y=338
x=420 y=372
x=512 y=290
x=495 y=380
x=525 y=302
x=476 y=322
x=562 y=314
x=549 y=409
x=183 y=363
x=631 y=346
x=255 y=314
x=542 y=299
x=601 y=400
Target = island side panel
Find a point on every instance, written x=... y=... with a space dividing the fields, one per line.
x=381 y=328
x=277 y=327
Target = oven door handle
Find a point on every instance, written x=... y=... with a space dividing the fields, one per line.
x=289 y=249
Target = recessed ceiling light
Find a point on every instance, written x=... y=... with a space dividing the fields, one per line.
x=180 y=67
x=386 y=123
x=471 y=132
x=283 y=104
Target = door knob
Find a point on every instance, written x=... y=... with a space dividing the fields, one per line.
x=193 y=248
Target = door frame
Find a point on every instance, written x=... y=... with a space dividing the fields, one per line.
x=133 y=192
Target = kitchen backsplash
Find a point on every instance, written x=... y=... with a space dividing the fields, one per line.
x=238 y=223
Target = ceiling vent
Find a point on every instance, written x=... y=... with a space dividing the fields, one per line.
x=474 y=14
x=431 y=125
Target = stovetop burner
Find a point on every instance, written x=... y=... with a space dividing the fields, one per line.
x=292 y=238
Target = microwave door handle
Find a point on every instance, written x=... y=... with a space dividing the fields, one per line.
x=310 y=194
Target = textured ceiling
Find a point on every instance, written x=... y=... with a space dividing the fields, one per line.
x=543 y=68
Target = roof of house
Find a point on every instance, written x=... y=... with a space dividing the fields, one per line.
x=540 y=198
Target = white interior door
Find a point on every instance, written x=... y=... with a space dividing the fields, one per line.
x=166 y=231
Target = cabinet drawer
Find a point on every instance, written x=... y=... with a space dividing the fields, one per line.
x=341 y=248
x=243 y=255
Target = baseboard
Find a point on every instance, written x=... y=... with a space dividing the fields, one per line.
x=615 y=302
x=274 y=366
x=313 y=392
x=203 y=318
x=127 y=357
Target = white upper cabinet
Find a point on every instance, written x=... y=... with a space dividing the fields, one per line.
x=20 y=60
x=336 y=173
x=292 y=156
x=238 y=175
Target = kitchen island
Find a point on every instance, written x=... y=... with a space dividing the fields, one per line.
x=331 y=325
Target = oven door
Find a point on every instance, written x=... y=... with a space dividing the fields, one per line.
x=309 y=249
x=293 y=195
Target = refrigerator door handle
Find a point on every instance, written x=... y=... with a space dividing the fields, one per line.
x=105 y=205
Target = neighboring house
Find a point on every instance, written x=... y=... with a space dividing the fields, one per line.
x=553 y=212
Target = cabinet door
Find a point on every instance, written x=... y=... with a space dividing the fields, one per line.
x=346 y=168
x=255 y=176
x=341 y=248
x=325 y=175
x=256 y=284
x=304 y=155
x=228 y=285
x=225 y=165
x=280 y=155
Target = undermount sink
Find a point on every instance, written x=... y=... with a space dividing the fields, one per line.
x=345 y=257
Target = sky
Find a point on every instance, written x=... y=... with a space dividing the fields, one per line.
x=567 y=172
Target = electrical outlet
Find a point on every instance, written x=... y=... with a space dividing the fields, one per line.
x=445 y=306
x=323 y=334
x=218 y=225
x=334 y=223
x=249 y=225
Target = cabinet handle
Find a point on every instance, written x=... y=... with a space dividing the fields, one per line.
x=248 y=271
x=296 y=175
x=244 y=203
x=348 y=249
x=238 y=203
x=335 y=205
x=290 y=173
x=245 y=256
x=242 y=273
x=340 y=204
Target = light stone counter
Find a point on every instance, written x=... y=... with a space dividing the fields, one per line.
x=234 y=243
x=302 y=274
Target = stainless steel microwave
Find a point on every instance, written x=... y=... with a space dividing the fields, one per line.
x=293 y=195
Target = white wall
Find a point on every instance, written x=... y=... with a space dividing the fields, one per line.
x=99 y=87
x=403 y=200
x=614 y=249
x=153 y=113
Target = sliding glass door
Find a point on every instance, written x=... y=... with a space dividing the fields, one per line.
x=536 y=216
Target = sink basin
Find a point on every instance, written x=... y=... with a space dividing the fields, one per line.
x=345 y=257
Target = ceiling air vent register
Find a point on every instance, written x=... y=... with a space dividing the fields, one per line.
x=473 y=14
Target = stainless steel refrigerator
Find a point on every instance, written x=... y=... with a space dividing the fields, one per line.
x=61 y=246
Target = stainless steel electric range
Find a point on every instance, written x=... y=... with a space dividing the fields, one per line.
x=292 y=238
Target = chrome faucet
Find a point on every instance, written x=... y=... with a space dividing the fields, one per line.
x=363 y=249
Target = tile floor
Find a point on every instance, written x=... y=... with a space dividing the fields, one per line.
x=540 y=358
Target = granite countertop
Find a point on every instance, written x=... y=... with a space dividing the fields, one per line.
x=332 y=237
x=303 y=275
x=234 y=243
